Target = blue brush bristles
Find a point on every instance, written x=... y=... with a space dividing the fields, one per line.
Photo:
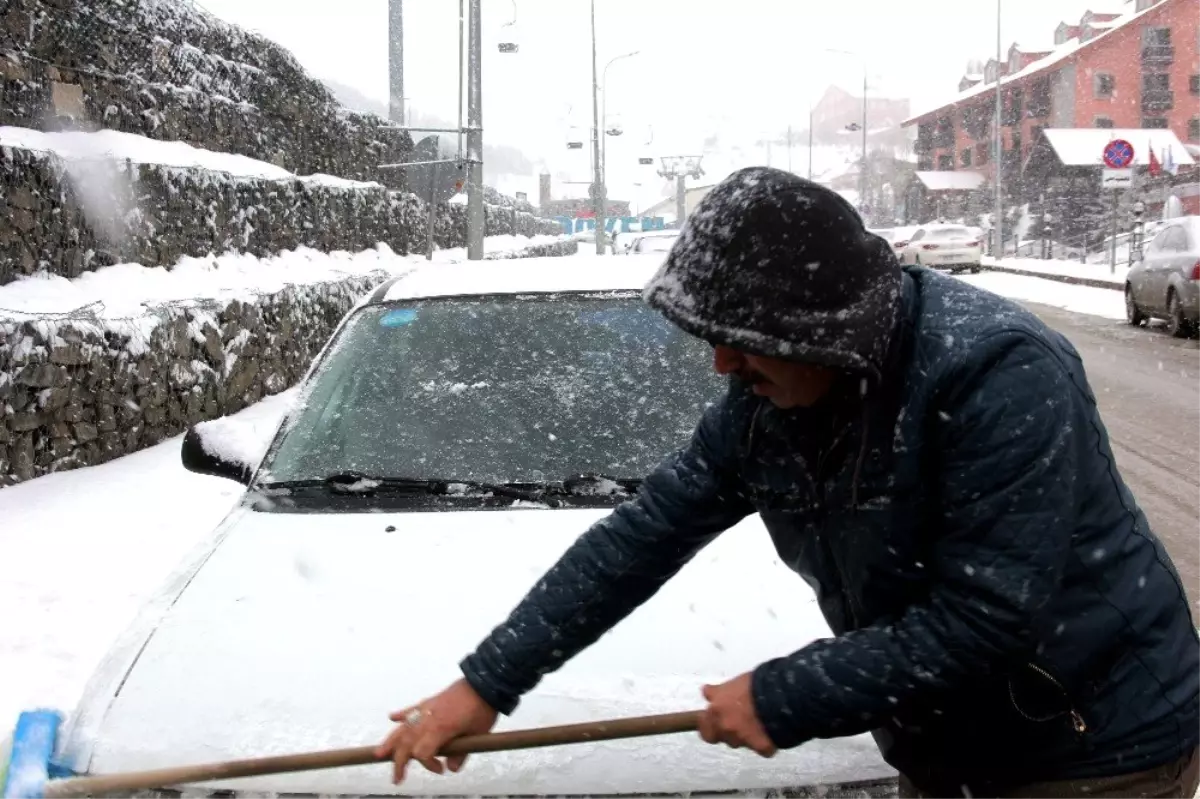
x=33 y=743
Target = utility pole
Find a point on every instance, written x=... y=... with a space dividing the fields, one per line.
x=475 y=218
x=810 y=137
x=862 y=173
x=597 y=190
x=998 y=225
x=789 y=148
x=396 y=61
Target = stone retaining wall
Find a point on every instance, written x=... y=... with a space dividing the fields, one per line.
x=78 y=392
x=66 y=217
x=168 y=70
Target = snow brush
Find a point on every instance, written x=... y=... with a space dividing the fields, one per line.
x=32 y=774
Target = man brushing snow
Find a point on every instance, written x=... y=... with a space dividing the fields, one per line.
x=930 y=458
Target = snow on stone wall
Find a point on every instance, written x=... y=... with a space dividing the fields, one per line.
x=83 y=387
x=68 y=216
x=74 y=393
x=168 y=70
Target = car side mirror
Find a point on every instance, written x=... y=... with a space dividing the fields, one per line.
x=219 y=449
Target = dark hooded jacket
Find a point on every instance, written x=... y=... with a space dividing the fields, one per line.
x=1002 y=611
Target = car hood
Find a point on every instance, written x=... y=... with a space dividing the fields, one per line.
x=302 y=631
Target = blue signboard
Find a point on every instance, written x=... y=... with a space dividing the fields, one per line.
x=572 y=224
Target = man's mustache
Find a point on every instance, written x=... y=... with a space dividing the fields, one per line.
x=752 y=377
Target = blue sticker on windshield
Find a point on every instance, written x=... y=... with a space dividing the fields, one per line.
x=398 y=318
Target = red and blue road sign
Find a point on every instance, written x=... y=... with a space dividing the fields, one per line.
x=1118 y=154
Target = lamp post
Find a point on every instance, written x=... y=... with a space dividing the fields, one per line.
x=998 y=225
x=862 y=171
x=810 y=136
x=597 y=188
x=604 y=117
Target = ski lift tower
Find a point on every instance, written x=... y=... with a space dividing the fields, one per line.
x=680 y=168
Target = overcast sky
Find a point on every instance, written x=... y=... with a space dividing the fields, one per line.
x=704 y=66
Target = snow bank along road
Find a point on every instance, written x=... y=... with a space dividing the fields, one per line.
x=82 y=548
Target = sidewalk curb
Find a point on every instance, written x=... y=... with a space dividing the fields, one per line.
x=1078 y=281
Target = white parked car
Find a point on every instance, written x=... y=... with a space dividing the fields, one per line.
x=1165 y=282
x=650 y=241
x=896 y=236
x=953 y=247
x=462 y=427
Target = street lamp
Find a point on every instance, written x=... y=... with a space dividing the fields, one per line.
x=604 y=120
x=998 y=143
x=862 y=171
x=505 y=45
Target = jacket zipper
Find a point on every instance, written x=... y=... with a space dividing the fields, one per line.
x=818 y=481
x=1077 y=721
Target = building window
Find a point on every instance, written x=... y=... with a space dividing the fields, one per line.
x=1154 y=122
x=1102 y=122
x=1194 y=129
x=1194 y=84
x=945 y=162
x=1103 y=84
x=983 y=153
x=1157 y=37
x=1156 y=82
x=966 y=157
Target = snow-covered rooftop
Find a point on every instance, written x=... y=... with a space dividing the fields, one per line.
x=1059 y=54
x=951 y=180
x=1085 y=146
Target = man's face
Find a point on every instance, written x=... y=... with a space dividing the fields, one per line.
x=786 y=384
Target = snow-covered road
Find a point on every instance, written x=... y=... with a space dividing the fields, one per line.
x=81 y=549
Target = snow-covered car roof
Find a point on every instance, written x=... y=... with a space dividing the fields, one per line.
x=523 y=276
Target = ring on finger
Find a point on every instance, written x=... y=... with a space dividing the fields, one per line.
x=413 y=717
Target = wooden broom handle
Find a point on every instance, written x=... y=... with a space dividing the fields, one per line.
x=616 y=729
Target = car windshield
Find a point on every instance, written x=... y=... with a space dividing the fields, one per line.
x=500 y=389
x=948 y=233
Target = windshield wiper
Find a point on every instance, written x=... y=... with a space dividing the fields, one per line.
x=591 y=484
x=360 y=484
x=353 y=483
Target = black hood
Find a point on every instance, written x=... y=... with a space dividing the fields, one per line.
x=779 y=266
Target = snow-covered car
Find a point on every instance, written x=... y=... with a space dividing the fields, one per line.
x=650 y=241
x=461 y=428
x=952 y=247
x=1165 y=282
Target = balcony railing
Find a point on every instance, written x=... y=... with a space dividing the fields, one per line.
x=1158 y=54
x=1158 y=100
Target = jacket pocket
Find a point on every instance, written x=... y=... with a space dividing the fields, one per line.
x=1040 y=697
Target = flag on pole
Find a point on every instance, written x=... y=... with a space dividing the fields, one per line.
x=1169 y=164
x=1155 y=166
